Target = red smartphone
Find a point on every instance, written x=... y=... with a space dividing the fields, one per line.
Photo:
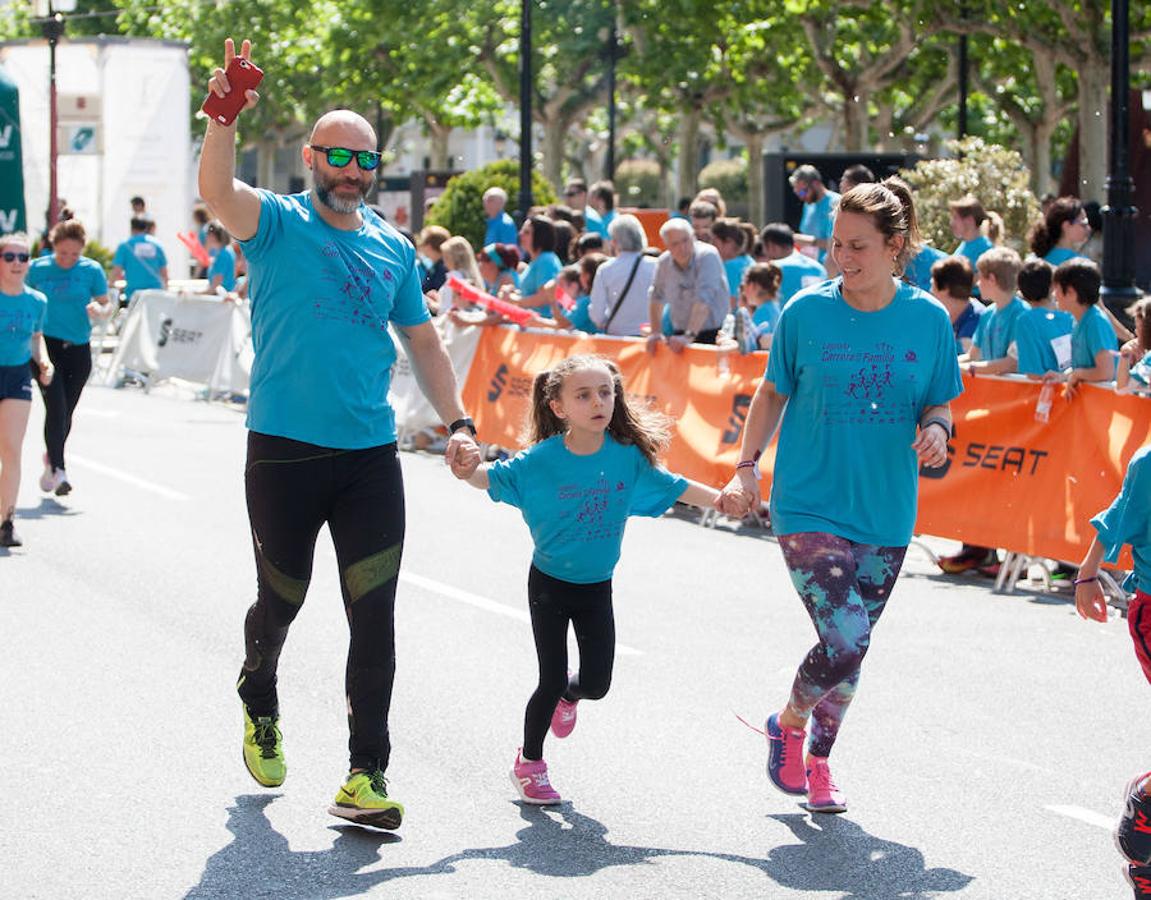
x=243 y=75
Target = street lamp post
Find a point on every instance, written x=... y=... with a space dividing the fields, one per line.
x=53 y=29
x=525 y=108
x=1119 y=289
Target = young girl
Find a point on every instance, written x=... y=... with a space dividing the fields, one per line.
x=591 y=463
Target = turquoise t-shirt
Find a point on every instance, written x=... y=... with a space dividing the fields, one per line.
x=224 y=265
x=1039 y=333
x=1141 y=371
x=1092 y=333
x=21 y=316
x=542 y=269
x=141 y=257
x=974 y=249
x=799 y=272
x=857 y=384
x=593 y=223
x=580 y=317
x=1059 y=255
x=1127 y=520
x=576 y=506
x=918 y=271
x=321 y=302
x=734 y=269
x=819 y=217
x=69 y=291
x=767 y=315
x=996 y=329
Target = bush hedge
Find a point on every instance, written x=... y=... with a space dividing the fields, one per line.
x=460 y=208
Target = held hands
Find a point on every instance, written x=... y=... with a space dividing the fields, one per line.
x=739 y=495
x=462 y=455
x=219 y=85
x=677 y=342
x=653 y=342
x=931 y=447
x=1090 y=602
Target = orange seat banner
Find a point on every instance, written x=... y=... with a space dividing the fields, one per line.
x=1011 y=481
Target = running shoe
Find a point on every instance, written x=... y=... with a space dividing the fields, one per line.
x=363 y=799
x=564 y=718
x=531 y=780
x=47 y=477
x=8 y=536
x=823 y=795
x=785 y=756
x=264 y=749
x=968 y=558
x=60 y=485
x=1139 y=877
x=1133 y=833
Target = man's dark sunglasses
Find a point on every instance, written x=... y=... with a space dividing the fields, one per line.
x=9 y=256
x=339 y=157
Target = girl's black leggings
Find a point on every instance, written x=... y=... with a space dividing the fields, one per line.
x=292 y=490
x=73 y=365
x=553 y=604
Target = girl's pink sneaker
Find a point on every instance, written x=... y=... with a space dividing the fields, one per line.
x=564 y=718
x=823 y=795
x=531 y=780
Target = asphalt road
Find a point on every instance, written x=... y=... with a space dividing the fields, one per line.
x=984 y=756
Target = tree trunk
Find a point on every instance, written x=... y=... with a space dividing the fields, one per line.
x=266 y=160
x=1041 y=178
x=438 y=135
x=688 y=180
x=1094 y=78
x=855 y=120
x=755 y=198
x=554 y=134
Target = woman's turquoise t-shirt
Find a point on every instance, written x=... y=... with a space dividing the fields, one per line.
x=857 y=384
x=69 y=291
x=224 y=265
x=576 y=506
x=1128 y=520
x=21 y=316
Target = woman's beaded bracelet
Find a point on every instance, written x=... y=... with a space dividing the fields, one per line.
x=1078 y=581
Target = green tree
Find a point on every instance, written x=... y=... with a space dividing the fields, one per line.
x=460 y=208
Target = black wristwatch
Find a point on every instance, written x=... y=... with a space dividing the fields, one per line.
x=465 y=422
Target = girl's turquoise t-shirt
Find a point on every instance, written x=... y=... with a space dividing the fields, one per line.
x=69 y=291
x=21 y=316
x=1128 y=520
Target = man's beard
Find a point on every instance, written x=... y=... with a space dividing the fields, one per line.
x=326 y=194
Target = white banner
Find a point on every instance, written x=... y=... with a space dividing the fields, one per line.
x=197 y=339
x=413 y=411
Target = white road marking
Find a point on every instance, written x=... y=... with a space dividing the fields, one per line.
x=455 y=593
x=1084 y=815
x=84 y=463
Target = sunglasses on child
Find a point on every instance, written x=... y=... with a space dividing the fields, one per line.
x=9 y=256
x=339 y=157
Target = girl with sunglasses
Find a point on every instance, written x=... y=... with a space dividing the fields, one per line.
x=21 y=343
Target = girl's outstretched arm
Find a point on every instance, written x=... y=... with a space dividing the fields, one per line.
x=699 y=495
x=479 y=478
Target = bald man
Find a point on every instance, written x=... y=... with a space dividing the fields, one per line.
x=327 y=276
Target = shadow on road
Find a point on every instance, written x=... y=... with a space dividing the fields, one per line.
x=49 y=506
x=834 y=855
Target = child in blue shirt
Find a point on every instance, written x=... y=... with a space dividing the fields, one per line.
x=1127 y=521
x=1094 y=345
x=590 y=465
x=1043 y=333
x=222 y=272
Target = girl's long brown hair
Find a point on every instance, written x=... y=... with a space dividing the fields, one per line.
x=631 y=422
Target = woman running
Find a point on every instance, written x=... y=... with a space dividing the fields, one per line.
x=861 y=372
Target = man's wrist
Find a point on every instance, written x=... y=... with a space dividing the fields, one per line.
x=948 y=428
x=464 y=423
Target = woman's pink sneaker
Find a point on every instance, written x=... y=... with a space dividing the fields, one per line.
x=785 y=756
x=531 y=780
x=564 y=718
x=823 y=795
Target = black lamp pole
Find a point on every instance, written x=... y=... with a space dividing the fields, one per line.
x=1119 y=289
x=53 y=29
x=525 y=108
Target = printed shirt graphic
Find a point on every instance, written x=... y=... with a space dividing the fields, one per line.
x=1043 y=341
x=321 y=302
x=576 y=506
x=857 y=384
x=996 y=329
x=1128 y=520
x=141 y=257
x=69 y=291
x=21 y=316
x=1092 y=333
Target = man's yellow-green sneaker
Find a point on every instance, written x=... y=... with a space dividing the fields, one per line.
x=363 y=799
x=264 y=749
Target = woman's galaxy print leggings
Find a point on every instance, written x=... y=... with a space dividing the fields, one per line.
x=844 y=586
